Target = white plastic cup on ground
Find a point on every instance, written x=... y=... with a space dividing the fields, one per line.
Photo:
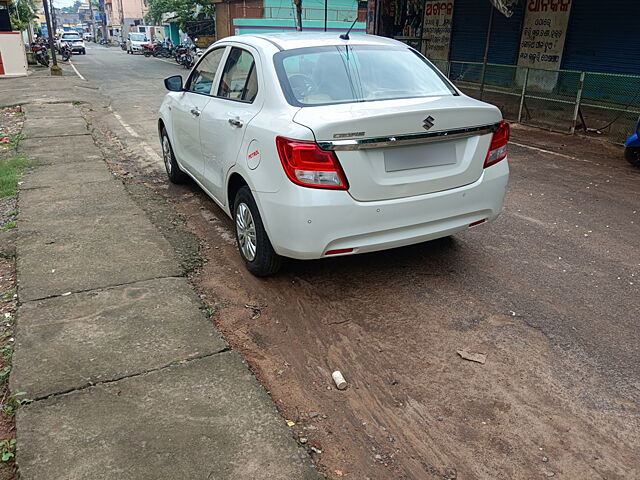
x=341 y=383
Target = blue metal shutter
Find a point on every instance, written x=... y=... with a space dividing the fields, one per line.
x=603 y=37
x=469 y=33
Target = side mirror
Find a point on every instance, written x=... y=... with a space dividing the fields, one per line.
x=173 y=84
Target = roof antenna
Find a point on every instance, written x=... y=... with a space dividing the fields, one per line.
x=345 y=36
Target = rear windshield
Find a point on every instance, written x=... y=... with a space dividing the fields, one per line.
x=136 y=37
x=360 y=73
x=71 y=36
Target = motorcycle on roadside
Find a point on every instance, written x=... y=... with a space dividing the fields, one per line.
x=148 y=49
x=41 y=52
x=183 y=56
x=65 y=51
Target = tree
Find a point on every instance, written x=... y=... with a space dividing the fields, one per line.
x=22 y=13
x=73 y=8
x=185 y=10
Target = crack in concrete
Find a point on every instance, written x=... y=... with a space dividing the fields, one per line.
x=175 y=363
x=96 y=289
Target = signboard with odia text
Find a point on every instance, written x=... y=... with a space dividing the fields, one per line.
x=436 y=31
x=543 y=33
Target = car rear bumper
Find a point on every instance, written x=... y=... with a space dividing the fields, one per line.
x=306 y=223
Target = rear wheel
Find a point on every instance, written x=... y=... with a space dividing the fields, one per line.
x=632 y=154
x=253 y=243
x=175 y=174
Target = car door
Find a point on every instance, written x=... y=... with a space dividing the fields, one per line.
x=225 y=118
x=187 y=109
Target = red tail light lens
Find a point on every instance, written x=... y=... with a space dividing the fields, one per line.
x=498 y=148
x=306 y=164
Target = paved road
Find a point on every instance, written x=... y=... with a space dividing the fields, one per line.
x=550 y=291
x=133 y=83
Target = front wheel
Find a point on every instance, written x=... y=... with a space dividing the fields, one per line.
x=632 y=154
x=253 y=243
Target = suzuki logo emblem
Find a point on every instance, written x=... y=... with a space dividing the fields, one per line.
x=428 y=122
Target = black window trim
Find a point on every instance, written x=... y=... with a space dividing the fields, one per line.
x=253 y=66
x=190 y=78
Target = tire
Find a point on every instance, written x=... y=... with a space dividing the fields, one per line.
x=175 y=174
x=84 y=52
x=632 y=154
x=246 y=218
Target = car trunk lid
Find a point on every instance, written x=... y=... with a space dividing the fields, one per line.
x=401 y=148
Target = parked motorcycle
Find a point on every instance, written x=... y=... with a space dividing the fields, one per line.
x=65 y=51
x=148 y=49
x=104 y=41
x=183 y=56
x=123 y=45
x=160 y=50
x=41 y=52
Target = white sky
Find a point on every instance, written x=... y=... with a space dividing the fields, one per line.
x=62 y=3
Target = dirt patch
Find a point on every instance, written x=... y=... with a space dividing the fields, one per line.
x=8 y=307
x=414 y=409
x=392 y=322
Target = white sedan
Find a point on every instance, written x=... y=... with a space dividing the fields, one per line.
x=319 y=146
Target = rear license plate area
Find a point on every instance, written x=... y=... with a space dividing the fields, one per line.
x=419 y=156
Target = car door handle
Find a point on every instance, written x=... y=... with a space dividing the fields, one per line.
x=235 y=122
x=195 y=112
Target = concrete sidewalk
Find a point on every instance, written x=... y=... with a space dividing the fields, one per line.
x=130 y=379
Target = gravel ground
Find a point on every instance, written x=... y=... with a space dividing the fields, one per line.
x=11 y=120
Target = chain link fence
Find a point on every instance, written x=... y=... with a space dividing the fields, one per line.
x=561 y=100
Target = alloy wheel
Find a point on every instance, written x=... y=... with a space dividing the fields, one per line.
x=166 y=153
x=246 y=229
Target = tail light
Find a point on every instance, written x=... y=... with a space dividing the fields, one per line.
x=306 y=164
x=498 y=148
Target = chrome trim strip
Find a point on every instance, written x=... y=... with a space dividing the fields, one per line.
x=408 y=139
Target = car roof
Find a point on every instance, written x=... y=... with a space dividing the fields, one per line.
x=292 y=40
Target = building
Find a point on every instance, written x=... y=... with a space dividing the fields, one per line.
x=129 y=13
x=13 y=58
x=588 y=35
x=234 y=17
x=562 y=64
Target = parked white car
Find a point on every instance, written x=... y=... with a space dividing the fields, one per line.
x=135 y=42
x=318 y=146
x=74 y=39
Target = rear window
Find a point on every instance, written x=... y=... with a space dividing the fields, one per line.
x=136 y=37
x=71 y=36
x=360 y=73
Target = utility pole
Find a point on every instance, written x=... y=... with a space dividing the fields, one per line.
x=93 y=21
x=122 y=32
x=47 y=15
x=326 y=5
x=103 y=19
x=54 y=23
x=298 y=4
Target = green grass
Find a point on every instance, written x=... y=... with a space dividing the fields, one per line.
x=10 y=171
x=8 y=226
